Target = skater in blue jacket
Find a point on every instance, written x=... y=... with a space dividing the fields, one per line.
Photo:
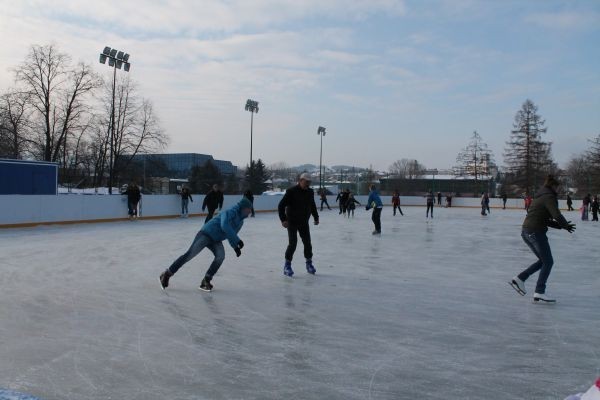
x=225 y=226
x=374 y=202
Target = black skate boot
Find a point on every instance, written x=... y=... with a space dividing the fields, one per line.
x=164 y=279
x=205 y=285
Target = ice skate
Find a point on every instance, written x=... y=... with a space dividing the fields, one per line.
x=164 y=279
x=541 y=298
x=376 y=232
x=287 y=269
x=518 y=285
x=205 y=285
x=310 y=268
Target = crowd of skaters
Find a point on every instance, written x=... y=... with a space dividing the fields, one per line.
x=298 y=205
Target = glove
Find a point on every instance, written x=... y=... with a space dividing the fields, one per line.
x=570 y=227
x=240 y=244
x=237 y=250
x=367 y=208
x=316 y=222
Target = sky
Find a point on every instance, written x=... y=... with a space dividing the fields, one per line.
x=388 y=79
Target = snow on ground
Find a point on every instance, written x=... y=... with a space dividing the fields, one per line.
x=422 y=312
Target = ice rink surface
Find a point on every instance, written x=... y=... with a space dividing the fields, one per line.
x=422 y=312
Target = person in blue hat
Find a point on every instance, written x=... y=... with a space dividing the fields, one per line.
x=225 y=226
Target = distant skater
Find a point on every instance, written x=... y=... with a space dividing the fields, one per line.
x=324 y=200
x=439 y=198
x=504 y=198
x=528 y=200
x=543 y=213
x=374 y=202
x=344 y=200
x=483 y=204
x=212 y=201
x=225 y=226
x=569 y=203
x=487 y=202
x=338 y=199
x=134 y=195
x=396 y=203
x=295 y=209
x=250 y=196
x=430 y=201
x=585 y=207
x=186 y=197
x=351 y=205
x=595 y=208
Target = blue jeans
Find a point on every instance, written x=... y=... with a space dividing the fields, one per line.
x=201 y=241
x=184 y=205
x=538 y=243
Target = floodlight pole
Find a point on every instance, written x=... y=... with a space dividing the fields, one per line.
x=252 y=106
x=321 y=132
x=112 y=131
x=118 y=58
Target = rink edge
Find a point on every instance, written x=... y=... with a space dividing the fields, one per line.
x=102 y=220
x=171 y=216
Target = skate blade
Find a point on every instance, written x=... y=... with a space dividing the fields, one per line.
x=204 y=290
x=542 y=301
x=517 y=289
x=160 y=283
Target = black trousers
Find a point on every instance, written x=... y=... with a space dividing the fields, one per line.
x=430 y=207
x=293 y=231
x=210 y=215
x=399 y=209
x=326 y=203
x=377 y=218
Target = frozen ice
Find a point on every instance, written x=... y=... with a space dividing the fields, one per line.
x=422 y=312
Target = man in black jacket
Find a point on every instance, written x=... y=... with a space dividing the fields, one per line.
x=295 y=209
x=212 y=201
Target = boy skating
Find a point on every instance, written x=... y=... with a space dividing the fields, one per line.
x=225 y=226
x=295 y=209
x=374 y=202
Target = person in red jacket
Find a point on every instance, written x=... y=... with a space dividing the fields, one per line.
x=396 y=202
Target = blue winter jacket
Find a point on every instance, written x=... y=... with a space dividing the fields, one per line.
x=227 y=224
x=374 y=197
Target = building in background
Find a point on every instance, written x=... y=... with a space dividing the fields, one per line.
x=180 y=165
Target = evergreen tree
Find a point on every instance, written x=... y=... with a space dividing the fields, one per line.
x=256 y=177
x=526 y=156
x=202 y=178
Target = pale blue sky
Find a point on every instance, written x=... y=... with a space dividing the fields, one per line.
x=388 y=79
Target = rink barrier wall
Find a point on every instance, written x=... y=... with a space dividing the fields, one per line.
x=31 y=210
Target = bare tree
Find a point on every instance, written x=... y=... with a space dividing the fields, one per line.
x=578 y=172
x=476 y=159
x=14 y=125
x=56 y=92
x=137 y=128
x=526 y=155
x=593 y=159
x=407 y=169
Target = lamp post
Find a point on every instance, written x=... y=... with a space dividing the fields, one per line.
x=252 y=106
x=116 y=59
x=321 y=132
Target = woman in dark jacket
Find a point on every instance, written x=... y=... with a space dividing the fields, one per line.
x=543 y=213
